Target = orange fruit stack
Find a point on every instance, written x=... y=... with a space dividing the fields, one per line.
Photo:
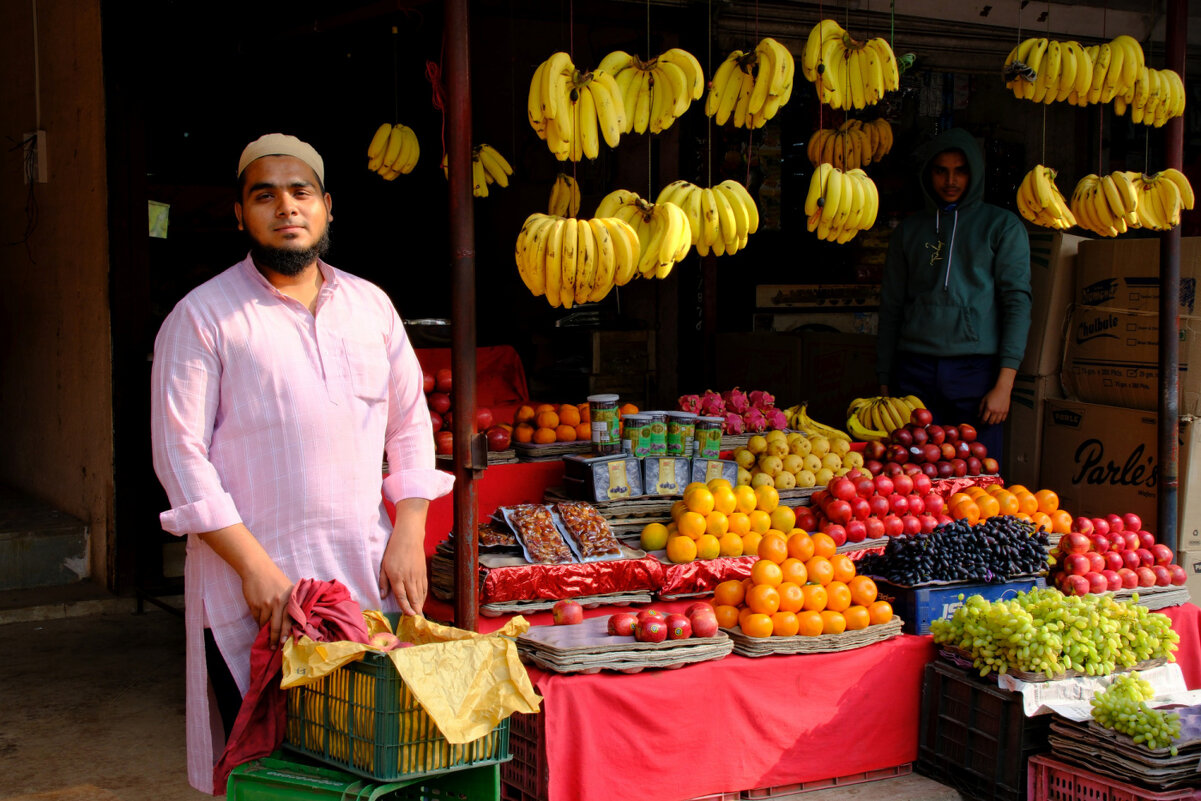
x=799 y=586
x=724 y=520
x=546 y=423
x=1040 y=508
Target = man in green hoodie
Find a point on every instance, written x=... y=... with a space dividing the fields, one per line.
x=955 y=299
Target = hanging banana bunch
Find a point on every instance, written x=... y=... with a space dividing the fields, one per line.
x=840 y=204
x=575 y=261
x=1106 y=205
x=564 y=196
x=664 y=233
x=1040 y=202
x=852 y=145
x=393 y=151
x=848 y=73
x=655 y=93
x=1161 y=197
x=574 y=110
x=750 y=87
x=487 y=167
x=721 y=218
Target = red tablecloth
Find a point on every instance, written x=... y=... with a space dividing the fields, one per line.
x=1186 y=621
x=500 y=378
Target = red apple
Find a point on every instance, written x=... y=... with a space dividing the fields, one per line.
x=1163 y=576
x=654 y=630
x=902 y=437
x=1113 y=579
x=1145 y=557
x=973 y=466
x=1131 y=539
x=913 y=526
x=442 y=380
x=1146 y=576
x=896 y=455
x=931 y=471
x=963 y=450
x=952 y=434
x=567 y=613
x=621 y=624
x=902 y=485
x=947 y=452
x=1114 y=560
x=1131 y=558
x=931 y=453
x=1162 y=553
x=679 y=627
x=1132 y=521
x=837 y=533
x=1179 y=576
x=874 y=527
x=874 y=466
x=1075 y=585
x=921 y=417
x=874 y=450
x=1083 y=525
x=894 y=526
x=650 y=614
x=498 y=438
x=990 y=466
x=1077 y=564
x=436 y=420
x=427 y=382
x=892 y=469
x=385 y=641
x=1116 y=523
x=920 y=436
x=856 y=531
x=444 y=442
x=699 y=608
x=944 y=469
x=1116 y=543
x=805 y=519
x=1100 y=525
x=704 y=625
x=1146 y=538
x=936 y=435
x=958 y=468
x=967 y=433
x=1129 y=578
x=483 y=418
x=1097 y=583
x=439 y=402
x=1096 y=561
x=1100 y=543
x=977 y=449
x=1075 y=542
x=884 y=485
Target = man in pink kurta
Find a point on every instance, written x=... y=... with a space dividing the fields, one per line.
x=277 y=387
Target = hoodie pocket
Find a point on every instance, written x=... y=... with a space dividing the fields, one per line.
x=937 y=323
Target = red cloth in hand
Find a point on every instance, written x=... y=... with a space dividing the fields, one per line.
x=325 y=612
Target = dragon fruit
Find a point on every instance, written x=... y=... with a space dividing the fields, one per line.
x=755 y=420
x=761 y=399
x=776 y=419
x=736 y=401
x=690 y=403
x=733 y=423
x=712 y=404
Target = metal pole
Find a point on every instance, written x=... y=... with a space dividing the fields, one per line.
x=1169 y=298
x=462 y=263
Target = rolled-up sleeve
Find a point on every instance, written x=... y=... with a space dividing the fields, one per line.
x=185 y=379
x=409 y=440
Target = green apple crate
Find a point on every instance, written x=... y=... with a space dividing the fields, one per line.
x=276 y=778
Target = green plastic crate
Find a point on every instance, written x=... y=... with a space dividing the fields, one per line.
x=364 y=719
x=276 y=779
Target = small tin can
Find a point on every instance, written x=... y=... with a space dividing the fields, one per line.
x=606 y=424
x=708 y=437
x=680 y=430
x=658 y=425
x=636 y=434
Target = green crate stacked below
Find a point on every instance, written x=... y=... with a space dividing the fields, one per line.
x=277 y=779
x=363 y=718
x=975 y=737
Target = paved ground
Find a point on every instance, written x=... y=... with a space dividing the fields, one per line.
x=92 y=703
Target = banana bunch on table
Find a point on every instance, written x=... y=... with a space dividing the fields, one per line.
x=750 y=87
x=393 y=151
x=1040 y=202
x=799 y=420
x=722 y=218
x=655 y=93
x=575 y=261
x=848 y=73
x=852 y=145
x=662 y=229
x=876 y=417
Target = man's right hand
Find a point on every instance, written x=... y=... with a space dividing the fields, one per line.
x=265 y=587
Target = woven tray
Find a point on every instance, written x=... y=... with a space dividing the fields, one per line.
x=1112 y=754
x=588 y=648
x=446 y=461
x=1155 y=597
x=529 y=452
x=964 y=659
x=822 y=644
x=545 y=604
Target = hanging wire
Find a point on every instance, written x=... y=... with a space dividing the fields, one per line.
x=1101 y=106
x=575 y=165
x=709 y=118
x=395 y=87
x=750 y=131
x=651 y=89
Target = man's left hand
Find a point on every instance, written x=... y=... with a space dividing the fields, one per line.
x=403 y=573
x=994 y=407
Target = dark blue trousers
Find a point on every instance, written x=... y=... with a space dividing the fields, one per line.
x=951 y=387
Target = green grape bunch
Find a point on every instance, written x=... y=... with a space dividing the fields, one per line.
x=1123 y=707
x=1044 y=631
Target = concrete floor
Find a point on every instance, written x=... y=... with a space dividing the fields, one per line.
x=92 y=703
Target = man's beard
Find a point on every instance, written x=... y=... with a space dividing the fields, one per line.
x=288 y=261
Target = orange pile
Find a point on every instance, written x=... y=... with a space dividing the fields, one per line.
x=546 y=423
x=800 y=585
x=718 y=519
x=1041 y=507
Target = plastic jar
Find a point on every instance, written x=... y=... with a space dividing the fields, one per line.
x=606 y=424
x=658 y=433
x=708 y=437
x=681 y=427
x=636 y=434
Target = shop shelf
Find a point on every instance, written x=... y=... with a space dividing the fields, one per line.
x=975 y=737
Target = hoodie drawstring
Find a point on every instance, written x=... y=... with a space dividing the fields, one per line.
x=946 y=282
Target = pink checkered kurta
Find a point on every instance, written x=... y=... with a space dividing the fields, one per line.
x=265 y=414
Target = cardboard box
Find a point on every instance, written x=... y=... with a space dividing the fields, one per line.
x=1124 y=274
x=1112 y=358
x=1188 y=494
x=1190 y=560
x=1023 y=447
x=1052 y=283
x=1100 y=459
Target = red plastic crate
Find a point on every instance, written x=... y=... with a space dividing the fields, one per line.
x=825 y=784
x=1051 y=780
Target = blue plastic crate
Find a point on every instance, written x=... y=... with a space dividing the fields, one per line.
x=921 y=606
